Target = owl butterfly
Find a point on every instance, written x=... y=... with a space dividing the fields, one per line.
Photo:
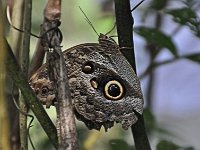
x=104 y=87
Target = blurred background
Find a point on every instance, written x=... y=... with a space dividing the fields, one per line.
x=167 y=35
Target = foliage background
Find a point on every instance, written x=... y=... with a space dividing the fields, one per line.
x=172 y=97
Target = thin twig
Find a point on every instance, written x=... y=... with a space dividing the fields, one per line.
x=155 y=65
x=13 y=26
x=29 y=125
x=136 y=6
x=37 y=59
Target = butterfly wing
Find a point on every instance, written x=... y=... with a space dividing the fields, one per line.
x=104 y=88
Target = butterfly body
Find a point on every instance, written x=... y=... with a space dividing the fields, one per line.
x=104 y=88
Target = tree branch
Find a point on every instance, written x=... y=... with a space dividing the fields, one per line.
x=39 y=52
x=66 y=127
x=124 y=22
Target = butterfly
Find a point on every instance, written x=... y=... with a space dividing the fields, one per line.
x=104 y=87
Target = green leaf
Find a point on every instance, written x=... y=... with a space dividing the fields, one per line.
x=150 y=121
x=186 y=16
x=167 y=145
x=158 y=4
x=194 y=57
x=189 y=148
x=118 y=144
x=182 y=15
x=157 y=38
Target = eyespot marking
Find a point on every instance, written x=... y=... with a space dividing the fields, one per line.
x=94 y=83
x=88 y=67
x=114 y=90
x=44 y=90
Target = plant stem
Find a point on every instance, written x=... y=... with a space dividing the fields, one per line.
x=21 y=82
x=24 y=63
x=66 y=126
x=11 y=90
x=124 y=22
x=4 y=120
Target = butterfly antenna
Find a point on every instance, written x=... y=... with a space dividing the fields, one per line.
x=131 y=11
x=111 y=29
x=89 y=22
x=137 y=5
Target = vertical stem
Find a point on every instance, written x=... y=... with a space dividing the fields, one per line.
x=4 y=120
x=23 y=124
x=150 y=87
x=24 y=54
x=24 y=63
x=66 y=127
x=152 y=50
x=10 y=89
x=17 y=21
x=37 y=58
x=124 y=22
